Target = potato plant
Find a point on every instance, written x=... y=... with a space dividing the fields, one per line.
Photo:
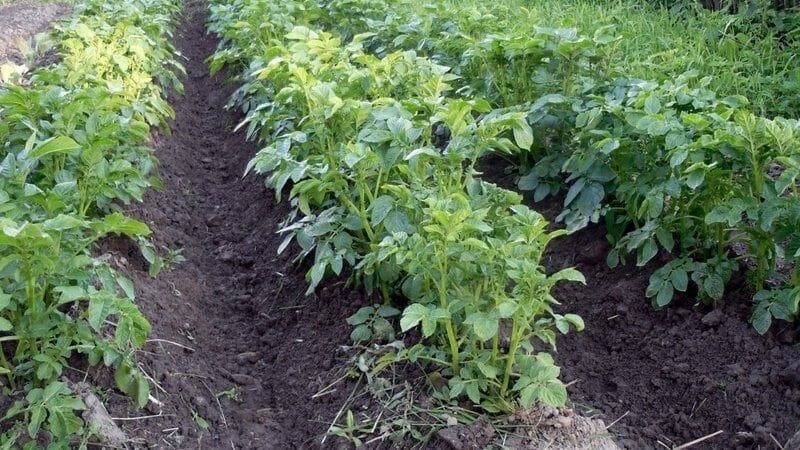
x=703 y=178
x=73 y=149
x=667 y=165
x=378 y=157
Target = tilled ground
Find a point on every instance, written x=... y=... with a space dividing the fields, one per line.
x=678 y=374
x=669 y=376
x=239 y=306
x=21 y=20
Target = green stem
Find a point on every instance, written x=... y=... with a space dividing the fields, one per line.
x=512 y=353
x=758 y=179
x=432 y=359
x=758 y=172
x=761 y=269
x=4 y=363
x=82 y=194
x=363 y=188
x=30 y=293
x=495 y=347
x=378 y=183
x=362 y=214
x=448 y=323
x=451 y=338
x=385 y=292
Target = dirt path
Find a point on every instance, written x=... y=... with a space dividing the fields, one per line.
x=21 y=20
x=239 y=306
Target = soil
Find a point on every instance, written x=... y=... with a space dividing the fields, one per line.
x=234 y=315
x=537 y=428
x=676 y=375
x=239 y=306
x=21 y=20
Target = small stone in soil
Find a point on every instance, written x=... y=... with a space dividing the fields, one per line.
x=753 y=420
x=735 y=369
x=213 y=220
x=242 y=298
x=247 y=357
x=791 y=375
x=713 y=319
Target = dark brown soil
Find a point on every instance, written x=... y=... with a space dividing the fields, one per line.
x=239 y=306
x=675 y=375
x=670 y=376
x=21 y=20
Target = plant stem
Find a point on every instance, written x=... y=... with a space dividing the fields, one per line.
x=448 y=323
x=512 y=353
x=495 y=347
x=385 y=293
x=4 y=363
x=362 y=214
x=30 y=293
x=378 y=183
x=451 y=337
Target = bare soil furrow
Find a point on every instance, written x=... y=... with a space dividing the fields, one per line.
x=239 y=306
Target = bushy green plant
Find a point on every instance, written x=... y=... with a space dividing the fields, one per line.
x=748 y=53
x=73 y=148
x=668 y=164
x=378 y=156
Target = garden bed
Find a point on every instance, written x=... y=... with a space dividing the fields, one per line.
x=671 y=376
x=240 y=358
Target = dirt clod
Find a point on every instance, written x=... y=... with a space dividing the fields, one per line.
x=467 y=437
x=791 y=375
x=247 y=358
x=561 y=429
x=713 y=319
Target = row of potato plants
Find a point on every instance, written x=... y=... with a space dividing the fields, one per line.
x=378 y=157
x=74 y=149
x=667 y=166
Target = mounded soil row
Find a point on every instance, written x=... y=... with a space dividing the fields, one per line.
x=675 y=375
x=235 y=315
x=239 y=306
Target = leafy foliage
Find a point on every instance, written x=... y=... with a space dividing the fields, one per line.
x=73 y=148
x=669 y=165
x=378 y=157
